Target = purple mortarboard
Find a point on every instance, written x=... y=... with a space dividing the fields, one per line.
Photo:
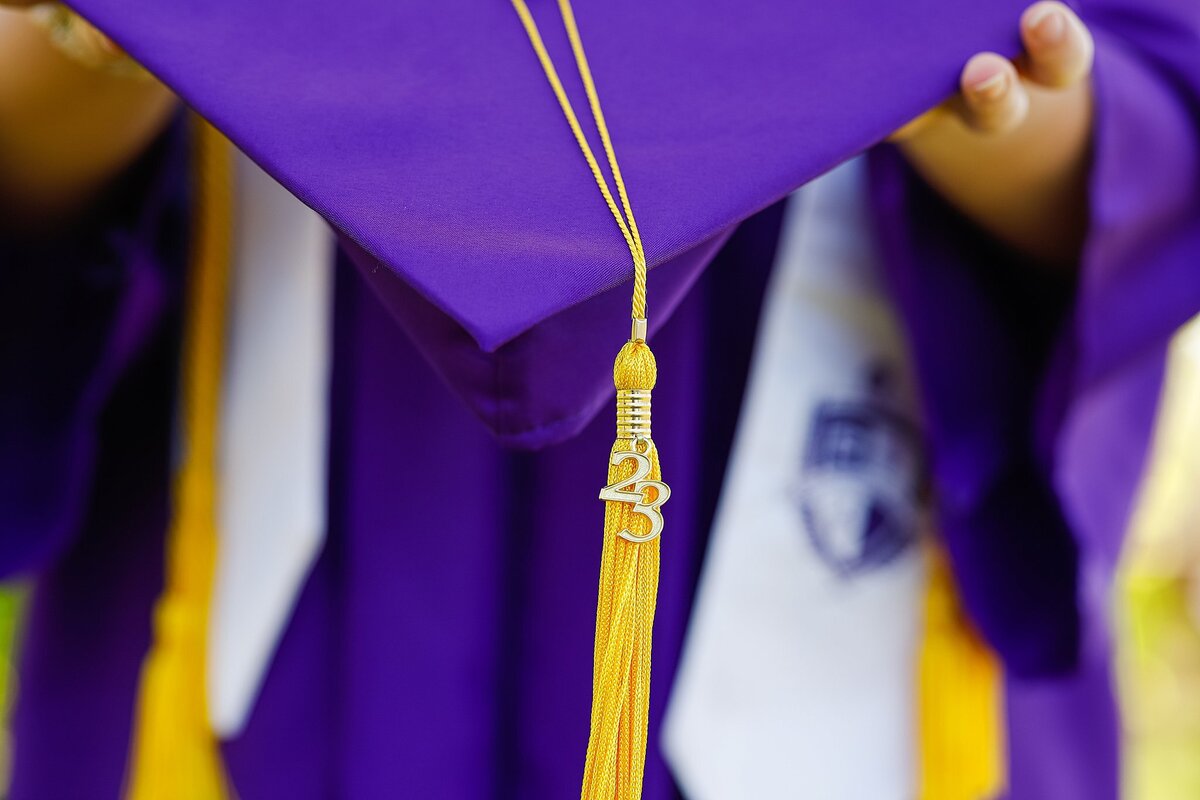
x=426 y=133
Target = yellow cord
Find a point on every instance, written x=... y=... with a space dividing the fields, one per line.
x=626 y=223
x=175 y=755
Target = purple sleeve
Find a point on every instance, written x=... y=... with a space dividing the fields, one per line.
x=1040 y=403
x=1141 y=270
x=76 y=309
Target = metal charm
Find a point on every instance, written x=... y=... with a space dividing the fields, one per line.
x=633 y=490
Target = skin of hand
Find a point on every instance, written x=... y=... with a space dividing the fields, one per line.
x=1011 y=150
x=65 y=130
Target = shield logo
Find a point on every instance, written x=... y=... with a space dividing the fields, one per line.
x=860 y=484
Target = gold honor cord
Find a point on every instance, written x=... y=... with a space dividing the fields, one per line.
x=175 y=753
x=616 y=752
x=960 y=699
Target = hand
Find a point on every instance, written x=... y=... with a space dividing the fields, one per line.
x=66 y=128
x=1010 y=149
x=995 y=93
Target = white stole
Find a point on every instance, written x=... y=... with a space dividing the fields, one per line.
x=798 y=677
x=274 y=424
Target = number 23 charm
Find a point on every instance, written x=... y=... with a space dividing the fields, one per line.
x=633 y=490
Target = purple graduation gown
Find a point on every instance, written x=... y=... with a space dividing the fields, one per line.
x=442 y=649
x=441 y=646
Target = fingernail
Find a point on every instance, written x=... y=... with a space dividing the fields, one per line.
x=985 y=80
x=991 y=87
x=1048 y=24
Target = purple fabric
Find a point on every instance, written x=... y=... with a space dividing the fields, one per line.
x=428 y=134
x=462 y=625
x=1140 y=279
x=548 y=383
x=75 y=313
x=979 y=339
x=1040 y=410
x=89 y=621
x=1064 y=733
x=439 y=649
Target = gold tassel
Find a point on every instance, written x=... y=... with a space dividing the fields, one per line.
x=616 y=751
x=616 y=754
x=175 y=755
x=962 y=752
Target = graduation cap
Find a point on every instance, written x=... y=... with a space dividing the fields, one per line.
x=426 y=134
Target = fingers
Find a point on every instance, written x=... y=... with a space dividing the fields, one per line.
x=994 y=96
x=1058 y=46
x=1058 y=53
x=993 y=99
